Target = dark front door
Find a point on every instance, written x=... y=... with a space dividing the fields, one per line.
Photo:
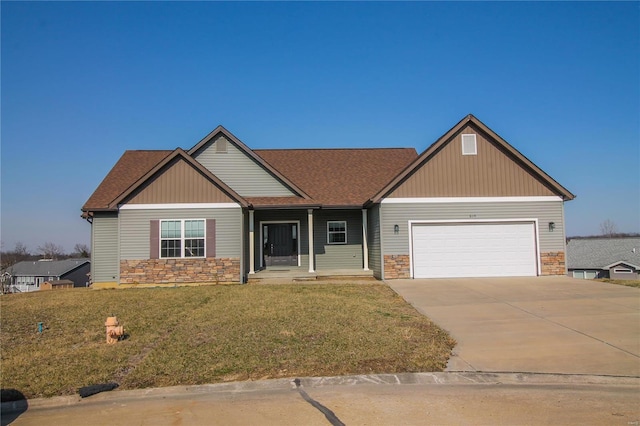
x=281 y=245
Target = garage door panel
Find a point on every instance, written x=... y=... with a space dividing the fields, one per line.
x=474 y=250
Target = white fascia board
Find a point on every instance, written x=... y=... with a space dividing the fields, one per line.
x=437 y=200
x=178 y=206
x=621 y=262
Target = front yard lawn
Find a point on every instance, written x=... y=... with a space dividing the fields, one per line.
x=209 y=334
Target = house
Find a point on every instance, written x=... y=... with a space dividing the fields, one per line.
x=615 y=258
x=29 y=275
x=470 y=205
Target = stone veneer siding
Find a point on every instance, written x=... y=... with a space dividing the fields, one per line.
x=552 y=263
x=396 y=266
x=169 y=271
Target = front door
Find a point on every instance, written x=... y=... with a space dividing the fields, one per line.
x=280 y=244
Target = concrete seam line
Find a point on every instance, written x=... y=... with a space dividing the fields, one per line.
x=328 y=414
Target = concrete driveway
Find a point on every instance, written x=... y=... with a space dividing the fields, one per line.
x=540 y=324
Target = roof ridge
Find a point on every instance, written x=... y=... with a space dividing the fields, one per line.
x=330 y=149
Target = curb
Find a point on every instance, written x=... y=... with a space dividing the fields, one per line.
x=444 y=378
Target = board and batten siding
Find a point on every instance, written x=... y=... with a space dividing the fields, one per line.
x=402 y=213
x=490 y=173
x=338 y=256
x=134 y=229
x=105 y=262
x=240 y=172
x=375 y=249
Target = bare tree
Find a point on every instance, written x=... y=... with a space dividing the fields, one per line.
x=50 y=250
x=18 y=254
x=20 y=249
x=608 y=228
x=81 y=250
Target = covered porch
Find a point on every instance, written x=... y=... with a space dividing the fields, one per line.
x=306 y=243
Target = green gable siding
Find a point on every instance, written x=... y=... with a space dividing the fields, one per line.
x=235 y=168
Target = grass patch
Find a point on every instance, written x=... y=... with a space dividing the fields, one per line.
x=628 y=283
x=197 y=335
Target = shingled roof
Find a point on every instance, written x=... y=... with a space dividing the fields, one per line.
x=600 y=253
x=331 y=177
x=128 y=170
x=339 y=177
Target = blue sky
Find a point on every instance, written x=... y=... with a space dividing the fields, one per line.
x=84 y=81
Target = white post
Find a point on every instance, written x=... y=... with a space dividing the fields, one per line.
x=252 y=242
x=365 y=246
x=311 y=254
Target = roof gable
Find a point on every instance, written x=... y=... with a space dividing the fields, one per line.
x=156 y=183
x=179 y=181
x=497 y=169
x=225 y=155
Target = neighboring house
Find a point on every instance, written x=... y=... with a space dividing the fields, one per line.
x=470 y=205
x=615 y=258
x=29 y=275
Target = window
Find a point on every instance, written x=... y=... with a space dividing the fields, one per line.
x=622 y=271
x=337 y=232
x=469 y=146
x=182 y=238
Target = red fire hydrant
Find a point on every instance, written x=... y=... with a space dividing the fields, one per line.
x=114 y=331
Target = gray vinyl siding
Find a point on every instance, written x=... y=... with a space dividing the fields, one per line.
x=402 y=213
x=338 y=256
x=373 y=221
x=327 y=256
x=134 y=229
x=105 y=265
x=240 y=172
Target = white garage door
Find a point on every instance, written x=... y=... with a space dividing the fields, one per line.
x=500 y=249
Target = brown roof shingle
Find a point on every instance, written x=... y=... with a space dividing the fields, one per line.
x=331 y=177
x=340 y=177
x=129 y=168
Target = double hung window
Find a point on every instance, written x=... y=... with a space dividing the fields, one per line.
x=337 y=232
x=182 y=238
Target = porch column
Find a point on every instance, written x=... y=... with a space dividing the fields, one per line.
x=365 y=245
x=311 y=254
x=252 y=242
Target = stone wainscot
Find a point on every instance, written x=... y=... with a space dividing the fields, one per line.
x=179 y=271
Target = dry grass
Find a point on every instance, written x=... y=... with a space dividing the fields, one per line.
x=212 y=334
x=628 y=283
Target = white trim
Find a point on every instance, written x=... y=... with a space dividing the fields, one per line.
x=337 y=232
x=252 y=242
x=435 y=200
x=182 y=238
x=268 y=222
x=621 y=262
x=475 y=144
x=178 y=206
x=311 y=248
x=536 y=231
x=365 y=243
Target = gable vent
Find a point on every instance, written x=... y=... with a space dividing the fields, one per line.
x=469 y=146
x=221 y=145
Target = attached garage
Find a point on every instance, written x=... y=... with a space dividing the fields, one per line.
x=473 y=249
